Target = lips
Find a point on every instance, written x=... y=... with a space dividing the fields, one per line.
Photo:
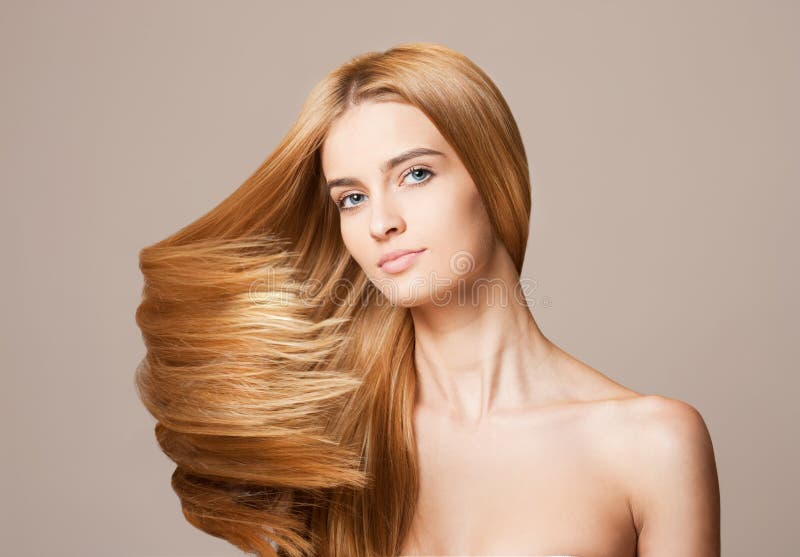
x=401 y=263
x=396 y=254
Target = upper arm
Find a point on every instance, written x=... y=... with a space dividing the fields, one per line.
x=674 y=487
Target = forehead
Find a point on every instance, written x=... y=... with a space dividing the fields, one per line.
x=368 y=134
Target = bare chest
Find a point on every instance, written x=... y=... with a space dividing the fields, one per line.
x=535 y=488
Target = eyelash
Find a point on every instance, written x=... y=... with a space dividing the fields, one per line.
x=430 y=172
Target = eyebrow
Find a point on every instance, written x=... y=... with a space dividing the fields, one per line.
x=390 y=164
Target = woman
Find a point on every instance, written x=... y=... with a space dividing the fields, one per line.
x=342 y=362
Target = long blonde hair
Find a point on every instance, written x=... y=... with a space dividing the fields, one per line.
x=282 y=382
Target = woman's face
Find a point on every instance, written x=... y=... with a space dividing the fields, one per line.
x=390 y=198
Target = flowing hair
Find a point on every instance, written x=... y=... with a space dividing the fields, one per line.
x=281 y=379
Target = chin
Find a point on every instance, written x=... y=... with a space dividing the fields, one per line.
x=403 y=296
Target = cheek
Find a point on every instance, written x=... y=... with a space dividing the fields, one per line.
x=358 y=241
x=461 y=225
x=484 y=231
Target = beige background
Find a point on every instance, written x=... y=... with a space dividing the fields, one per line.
x=663 y=142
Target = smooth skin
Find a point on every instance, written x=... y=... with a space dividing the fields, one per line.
x=523 y=449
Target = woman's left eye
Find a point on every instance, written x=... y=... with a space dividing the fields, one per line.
x=414 y=172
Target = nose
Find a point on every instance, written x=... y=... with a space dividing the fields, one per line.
x=385 y=219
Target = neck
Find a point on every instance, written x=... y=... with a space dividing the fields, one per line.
x=482 y=357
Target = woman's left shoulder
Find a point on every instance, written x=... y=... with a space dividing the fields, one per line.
x=660 y=416
x=655 y=435
x=642 y=428
x=666 y=461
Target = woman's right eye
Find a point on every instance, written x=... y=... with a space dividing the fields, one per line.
x=343 y=199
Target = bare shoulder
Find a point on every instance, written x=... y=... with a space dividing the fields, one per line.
x=652 y=428
x=658 y=451
x=663 y=427
x=667 y=465
x=661 y=418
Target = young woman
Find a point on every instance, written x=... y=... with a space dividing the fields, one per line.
x=342 y=361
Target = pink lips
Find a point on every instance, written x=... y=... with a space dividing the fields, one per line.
x=400 y=260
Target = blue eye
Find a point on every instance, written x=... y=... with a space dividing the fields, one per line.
x=411 y=171
x=342 y=199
